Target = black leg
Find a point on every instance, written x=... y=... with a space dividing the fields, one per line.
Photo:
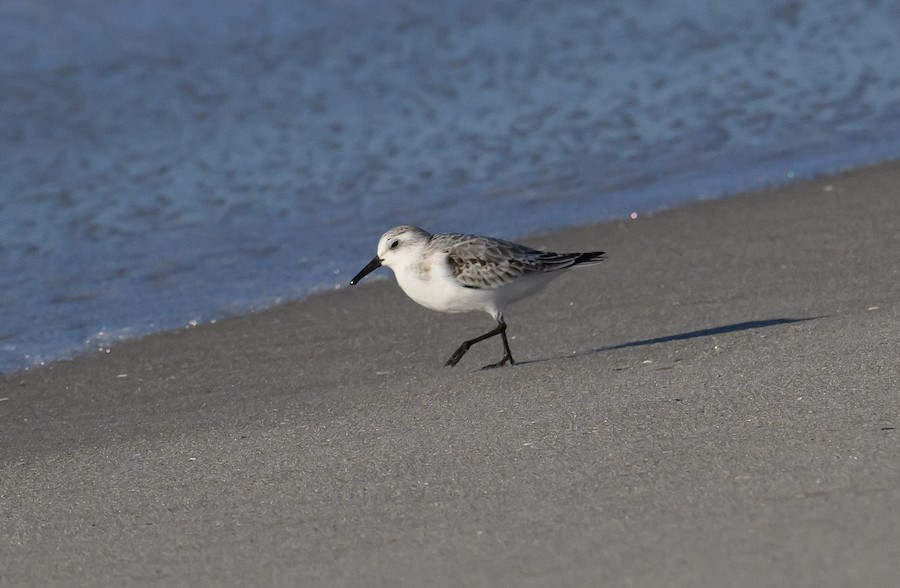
x=499 y=330
x=507 y=354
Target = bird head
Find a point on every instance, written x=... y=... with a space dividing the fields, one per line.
x=396 y=247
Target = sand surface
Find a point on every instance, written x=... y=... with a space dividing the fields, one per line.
x=717 y=405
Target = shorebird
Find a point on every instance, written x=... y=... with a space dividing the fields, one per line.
x=466 y=273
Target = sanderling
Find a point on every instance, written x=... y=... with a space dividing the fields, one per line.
x=465 y=273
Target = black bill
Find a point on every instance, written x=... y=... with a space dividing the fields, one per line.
x=373 y=265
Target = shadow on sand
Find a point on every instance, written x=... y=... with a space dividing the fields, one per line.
x=720 y=330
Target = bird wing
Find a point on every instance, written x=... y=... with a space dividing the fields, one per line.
x=486 y=263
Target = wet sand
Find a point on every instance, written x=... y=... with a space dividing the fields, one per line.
x=715 y=405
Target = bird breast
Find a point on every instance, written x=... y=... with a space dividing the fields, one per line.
x=431 y=284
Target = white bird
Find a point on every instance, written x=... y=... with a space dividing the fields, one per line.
x=465 y=273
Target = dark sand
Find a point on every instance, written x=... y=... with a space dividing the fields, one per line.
x=717 y=405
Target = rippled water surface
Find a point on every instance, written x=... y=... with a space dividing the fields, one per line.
x=163 y=161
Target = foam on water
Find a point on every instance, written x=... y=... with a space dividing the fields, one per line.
x=163 y=161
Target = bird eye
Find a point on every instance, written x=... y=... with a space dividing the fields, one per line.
x=395 y=244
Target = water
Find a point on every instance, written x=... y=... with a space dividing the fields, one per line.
x=163 y=162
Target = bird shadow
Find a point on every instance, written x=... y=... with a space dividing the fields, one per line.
x=720 y=330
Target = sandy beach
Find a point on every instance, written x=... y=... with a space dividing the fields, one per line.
x=716 y=405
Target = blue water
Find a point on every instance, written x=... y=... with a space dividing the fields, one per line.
x=163 y=162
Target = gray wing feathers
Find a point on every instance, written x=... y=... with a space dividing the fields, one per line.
x=485 y=263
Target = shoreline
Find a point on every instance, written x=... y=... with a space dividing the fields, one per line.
x=716 y=403
x=757 y=176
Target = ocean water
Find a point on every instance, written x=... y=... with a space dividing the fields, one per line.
x=164 y=162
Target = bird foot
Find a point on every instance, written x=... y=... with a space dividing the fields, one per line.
x=457 y=355
x=501 y=363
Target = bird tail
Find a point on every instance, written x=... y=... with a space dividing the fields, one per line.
x=589 y=258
